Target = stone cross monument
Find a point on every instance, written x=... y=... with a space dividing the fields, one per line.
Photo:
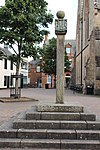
x=60 y=31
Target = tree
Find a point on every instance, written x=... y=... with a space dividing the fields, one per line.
x=48 y=54
x=49 y=58
x=22 y=23
x=66 y=63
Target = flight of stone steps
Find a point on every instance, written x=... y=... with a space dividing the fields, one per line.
x=54 y=127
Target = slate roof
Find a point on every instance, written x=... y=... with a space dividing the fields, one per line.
x=34 y=62
x=5 y=51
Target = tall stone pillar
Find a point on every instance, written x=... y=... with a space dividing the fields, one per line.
x=60 y=31
x=60 y=69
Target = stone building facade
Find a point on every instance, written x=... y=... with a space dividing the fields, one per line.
x=88 y=46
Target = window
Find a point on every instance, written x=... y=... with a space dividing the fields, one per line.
x=68 y=50
x=1 y=53
x=24 y=80
x=49 y=79
x=96 y=2
x=29 y=69
x=5 y=80
x=24 y=65
x=11 y=65
x=5 y=63
x=38 y=69
x=11 y=81
x=70 y=60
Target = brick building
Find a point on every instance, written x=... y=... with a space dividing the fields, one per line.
x=36 y=77
x=70 y=48
x=88 y=46
x=39 y=79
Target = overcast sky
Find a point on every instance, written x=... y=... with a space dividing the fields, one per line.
x=70 y=9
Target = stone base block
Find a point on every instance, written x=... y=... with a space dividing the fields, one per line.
x=9 y=133
x=32 y=134
x=88 y=135
x=75 y=125
x=59 y=108
x=87 y=117
x=19 y=124
x=93 y=125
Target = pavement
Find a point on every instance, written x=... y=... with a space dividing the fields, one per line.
x=90 y=103
x=9 y=109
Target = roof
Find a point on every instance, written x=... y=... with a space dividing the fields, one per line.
x=5 y=51
x=34 y=62
x=97 y=4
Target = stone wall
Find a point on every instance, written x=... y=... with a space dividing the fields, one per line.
x=88 y=47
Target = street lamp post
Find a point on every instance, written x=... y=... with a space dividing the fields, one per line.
x=60 y=31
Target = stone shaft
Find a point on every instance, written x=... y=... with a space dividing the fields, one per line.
x=60 y=70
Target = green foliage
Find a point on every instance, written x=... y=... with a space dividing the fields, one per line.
x=67 y=64
x=49 y=57
x=22 y=23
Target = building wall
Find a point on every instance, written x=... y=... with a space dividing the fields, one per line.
x=5 y=72
x=69 y=76
x=8 y=72
x=24 y=72
x=88 y=46
x=38 y=79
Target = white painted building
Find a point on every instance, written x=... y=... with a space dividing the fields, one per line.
x=7 y=68
x=24 y=72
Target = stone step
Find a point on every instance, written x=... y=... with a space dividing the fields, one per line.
x=47 y=134
x=62 y=127
x=51 y=134
x=49 y=143
x=59 y=108
x=38 y=134
x=51 y=124
x=80 y=144
x=59 y=116
x=10 y=143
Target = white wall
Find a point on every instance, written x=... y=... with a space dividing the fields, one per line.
x=5 y=72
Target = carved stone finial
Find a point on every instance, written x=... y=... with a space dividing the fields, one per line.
x=60 y=14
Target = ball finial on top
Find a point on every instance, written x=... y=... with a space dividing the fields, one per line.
x=60 y=14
